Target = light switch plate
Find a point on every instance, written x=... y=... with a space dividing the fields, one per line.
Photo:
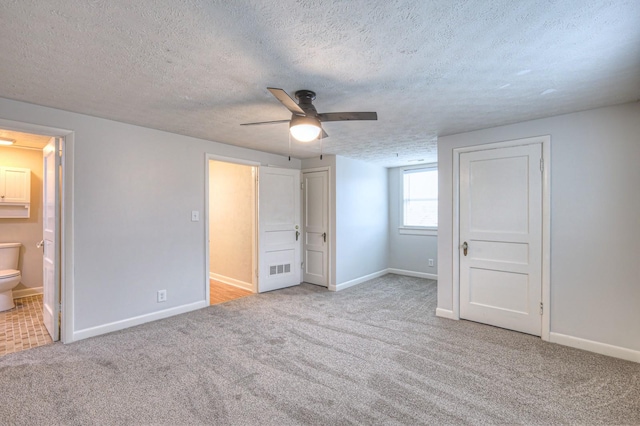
x=195 y=216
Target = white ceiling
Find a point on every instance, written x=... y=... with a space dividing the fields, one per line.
x=429 y=68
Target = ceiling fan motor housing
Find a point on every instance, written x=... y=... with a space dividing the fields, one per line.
x=306 y=96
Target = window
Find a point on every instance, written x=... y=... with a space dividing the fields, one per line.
x=420 y=198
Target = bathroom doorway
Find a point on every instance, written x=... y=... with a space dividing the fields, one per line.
x=231 y=229
x=35 y=319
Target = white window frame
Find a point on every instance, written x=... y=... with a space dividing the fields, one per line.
x=413 y=230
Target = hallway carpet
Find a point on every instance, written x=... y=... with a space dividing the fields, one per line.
x=371 y=354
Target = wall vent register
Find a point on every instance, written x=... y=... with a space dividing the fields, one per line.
x=280 y=269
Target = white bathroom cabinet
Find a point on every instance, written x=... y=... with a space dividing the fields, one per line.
x=15 y=192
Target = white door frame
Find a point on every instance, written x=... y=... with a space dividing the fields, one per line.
x=546 y=222
x=65 y=218
x=254 y=264
x=329 y=224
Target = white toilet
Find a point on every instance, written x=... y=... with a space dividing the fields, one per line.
x=10 y=276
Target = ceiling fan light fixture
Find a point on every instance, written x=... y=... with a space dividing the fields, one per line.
x=304 y=128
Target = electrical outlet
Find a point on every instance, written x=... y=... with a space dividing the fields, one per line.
x=430 y=262
x=162 y=296
x=195 y=215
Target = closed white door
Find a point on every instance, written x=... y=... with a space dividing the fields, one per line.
x=51 y=237
x=279 y=228
x=315 y=227
x=501 y=237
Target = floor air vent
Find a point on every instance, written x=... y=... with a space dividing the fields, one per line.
x=280 y=269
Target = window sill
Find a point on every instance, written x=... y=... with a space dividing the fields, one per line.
x=418 y=231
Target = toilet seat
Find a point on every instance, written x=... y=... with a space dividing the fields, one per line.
x=8 y=273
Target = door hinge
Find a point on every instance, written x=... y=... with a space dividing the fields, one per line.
x=257 y=275
x=541 y=308
x=301 y=185
x=542 y=164
x=301 y=265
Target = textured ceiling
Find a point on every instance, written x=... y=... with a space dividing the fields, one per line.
x=429 y=68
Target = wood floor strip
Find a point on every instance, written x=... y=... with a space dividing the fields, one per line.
x=221 y=292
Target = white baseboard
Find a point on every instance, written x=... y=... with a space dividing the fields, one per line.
x=231 y=281
x=130 y=322
x=445 y=313
x=597 y=347
x=333 y=287
x=351 y=283
x=29 y=291
x=413 y=273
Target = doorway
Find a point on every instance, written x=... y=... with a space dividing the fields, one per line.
x=501 y=234
x=34 y=223
x=231 y=230
x=315 y=226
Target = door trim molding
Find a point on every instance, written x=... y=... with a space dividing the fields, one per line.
x=546 y=223
x=65 y=219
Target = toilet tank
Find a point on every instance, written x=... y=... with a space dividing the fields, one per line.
x=9 y=255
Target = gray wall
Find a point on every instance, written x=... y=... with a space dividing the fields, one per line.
x=407 y=252
x=595 y=225
x=362 y=211
x=134 y=190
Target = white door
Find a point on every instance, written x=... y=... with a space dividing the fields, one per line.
x=315 y=227
x=501 y=228
x=279 y=228
x=51 y=237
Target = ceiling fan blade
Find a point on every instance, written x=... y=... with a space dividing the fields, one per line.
x=265 y=122
x=347 y=116
x=286 y=100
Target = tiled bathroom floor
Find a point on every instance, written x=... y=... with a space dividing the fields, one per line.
x=22 y=327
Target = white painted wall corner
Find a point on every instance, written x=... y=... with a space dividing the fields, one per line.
x=413 y=274
x=351 y=283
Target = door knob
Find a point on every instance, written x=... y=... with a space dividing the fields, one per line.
x=465 y=247
x=324 y=237
x=40 y=244
x=297 y=235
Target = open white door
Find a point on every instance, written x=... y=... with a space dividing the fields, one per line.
x=316 y=188
x=279 y=228
x=51 y=237
x=501 y=237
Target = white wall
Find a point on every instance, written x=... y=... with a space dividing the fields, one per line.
x=595 y=225
x=362 y=211
x=408 y=252
x=27 y=232
x=134 y=190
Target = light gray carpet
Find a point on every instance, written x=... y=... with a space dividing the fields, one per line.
x=371 y=354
